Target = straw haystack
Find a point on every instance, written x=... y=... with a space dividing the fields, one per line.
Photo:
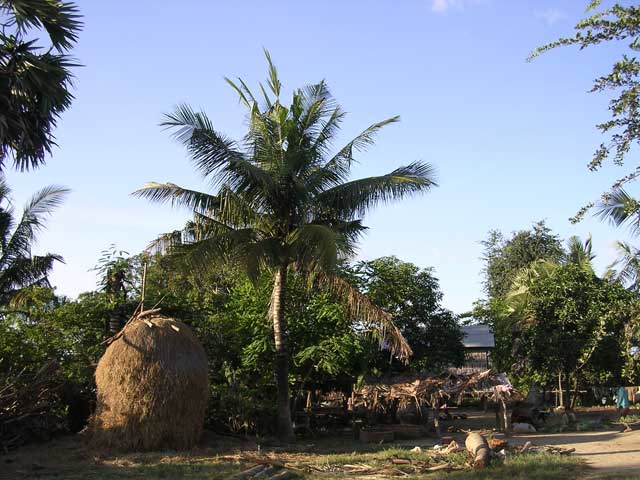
x=152 y=386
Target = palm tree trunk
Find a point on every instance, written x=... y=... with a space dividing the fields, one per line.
x=284 y=427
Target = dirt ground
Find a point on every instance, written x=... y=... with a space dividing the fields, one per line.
x=609 y=453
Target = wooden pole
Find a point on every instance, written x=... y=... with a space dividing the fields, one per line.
x=560 y=388
x=505 y=417
x=144 y=285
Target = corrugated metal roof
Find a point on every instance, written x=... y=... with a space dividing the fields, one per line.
x=478 y=336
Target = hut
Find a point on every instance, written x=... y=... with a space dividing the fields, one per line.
x=152 y=386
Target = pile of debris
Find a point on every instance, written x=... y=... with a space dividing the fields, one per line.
x=28 y=406
x=419 y=393
x=477 y=453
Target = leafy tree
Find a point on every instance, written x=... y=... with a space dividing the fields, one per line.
x=19 y=269
x=412 y=295
x=618 y=24
x=574 y=326
x=35 y=81
x=284 y=202
x=504 y=259
x=49 y=328
x=560 y=322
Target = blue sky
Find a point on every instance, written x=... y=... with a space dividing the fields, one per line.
x=510 y=139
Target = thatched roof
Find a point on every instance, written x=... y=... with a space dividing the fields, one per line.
x=426 y=389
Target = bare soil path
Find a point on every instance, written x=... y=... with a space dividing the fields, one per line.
x=607 y=452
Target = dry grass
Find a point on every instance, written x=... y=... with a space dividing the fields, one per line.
x=152 y=375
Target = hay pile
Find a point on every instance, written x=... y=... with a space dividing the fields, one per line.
x=152 y=385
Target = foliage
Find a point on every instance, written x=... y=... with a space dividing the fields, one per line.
x=48 y=327
x=328 y=347
x=19 y=269
x=412 y=295
x=115 y=270
x=575 y=325
x=35 y=81
x=557 y=317
x=505 y=258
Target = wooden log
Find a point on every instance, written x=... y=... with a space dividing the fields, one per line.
x=285 y=475
x=250 y=472
x=436 y=468
x=266 y=473
x=478 y=447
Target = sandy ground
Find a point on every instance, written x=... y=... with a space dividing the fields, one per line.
x=605 y=451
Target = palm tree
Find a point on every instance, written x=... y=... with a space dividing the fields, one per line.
x=19 y=269
x=35 y=83
x=285 y=203
x=580 y=253
x=620 y=208
x=577 y=252
x=626 y=268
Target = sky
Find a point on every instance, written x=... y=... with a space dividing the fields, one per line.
x=510 y=139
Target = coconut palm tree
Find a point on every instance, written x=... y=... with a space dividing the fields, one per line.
x=577 y=252
x=620 y=208
x=626 y=268
x=19 y=269
x=285 y=202
x=580 y=253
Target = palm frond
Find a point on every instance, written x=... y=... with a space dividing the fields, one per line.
x=61 y=20
x=178 y=196
x=359 y=196
x=208 y=149
x=620 y=208
x=315 y=243
x=373 y=319
x=626 y=268
x=32 y=221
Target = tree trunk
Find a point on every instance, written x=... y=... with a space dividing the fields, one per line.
x=561 y=400
x=506 y=418
x=284 y=427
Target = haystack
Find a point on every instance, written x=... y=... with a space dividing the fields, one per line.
x=152 y=385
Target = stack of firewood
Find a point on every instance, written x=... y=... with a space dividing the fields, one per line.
x=28 y=406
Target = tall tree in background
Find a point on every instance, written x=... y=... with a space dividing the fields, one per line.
x=504 y=259
x=620 y=25
x=414 y=298
x=284 y=202
x=19 y=269
x=35 y=80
